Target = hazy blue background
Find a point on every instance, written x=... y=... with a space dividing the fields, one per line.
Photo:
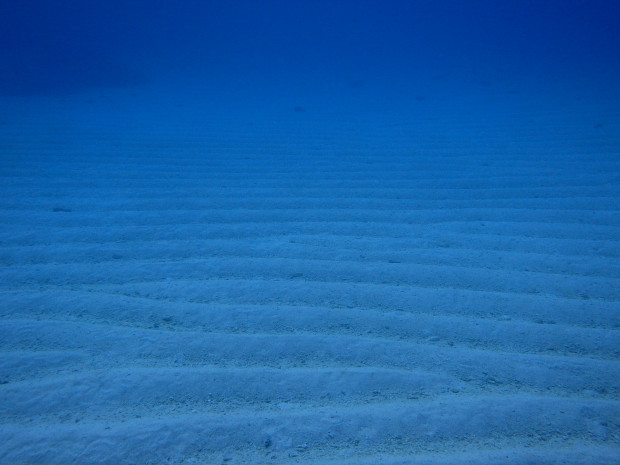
x=50 y=46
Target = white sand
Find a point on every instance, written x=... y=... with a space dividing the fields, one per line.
x=208 y=284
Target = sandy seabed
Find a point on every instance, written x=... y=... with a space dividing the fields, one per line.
x=306 y=288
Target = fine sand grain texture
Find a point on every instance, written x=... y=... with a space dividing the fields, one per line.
x=276 y=286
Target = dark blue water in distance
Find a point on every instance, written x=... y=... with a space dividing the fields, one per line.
x=50 y=46
x=309 y=232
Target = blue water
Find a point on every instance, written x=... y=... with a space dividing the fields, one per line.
x=317 y=232
x=51 y=47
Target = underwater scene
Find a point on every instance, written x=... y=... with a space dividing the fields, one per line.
x=317 y=232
